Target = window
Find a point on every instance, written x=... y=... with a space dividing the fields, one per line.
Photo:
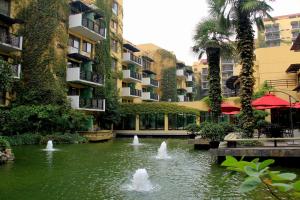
x=86 y=47
x=294 y=35
x=114 y=45
x=74 y=42
x=204 y=77
x=204 y=71
x=114 y=24
x=5 y=7
x=115 y=7
x=295 y=24
x=126 y=123
x=273 y=43
x=152 y=121
x=227 y=68
x=180 y=121
x=114 y=64
x=72 y=64
x=272 y=28
x=272 y=36
x=204 y=85
x=2 y=97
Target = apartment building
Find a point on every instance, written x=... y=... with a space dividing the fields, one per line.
x=10 y=44
x=86 y=28
x=185 y=82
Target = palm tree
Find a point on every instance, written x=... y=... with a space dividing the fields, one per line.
x=212 y=39
x=242 y=14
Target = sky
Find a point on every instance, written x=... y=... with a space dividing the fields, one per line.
x=170 y=24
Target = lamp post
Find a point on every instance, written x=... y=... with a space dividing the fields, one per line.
x=290 y=102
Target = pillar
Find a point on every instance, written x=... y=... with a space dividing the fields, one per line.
x=198 y=120
x=268 y=118
x=137 y=123
x=166 y=122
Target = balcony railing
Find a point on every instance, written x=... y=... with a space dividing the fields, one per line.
x=130 y=57
x=150 y=96
x=282 y=82
x=128 y=74
x=90 y=24
x=11 y=40
x=91 y=104
x=135 y=92
x=97 y=104
x=154 y=82
x=130 y=92
x=153 y=96
x=182 y=98
x=4 y=11
x=76 y=74
x=272 y=38
x=272 y=29
x=92 y=77
x=93 y=30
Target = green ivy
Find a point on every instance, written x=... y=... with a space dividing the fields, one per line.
x=44 y=51
x=6 y=75
x=169 y=85
x=156 y=107
x=262 y=91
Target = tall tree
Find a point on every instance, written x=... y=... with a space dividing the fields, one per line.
x=212 y=39
x=242 y=14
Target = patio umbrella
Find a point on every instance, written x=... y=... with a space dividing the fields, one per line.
x=229 y=109
x=269 y=101
x=296 y=105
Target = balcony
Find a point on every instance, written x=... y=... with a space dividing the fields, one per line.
x=190 y=78
x=76 y=54
x=150 y=82
x=16 y=69
x=180 y=73
x=132 y=59
x=131 y=76
x=77 y=75
x=182 y=98
x=129 y=92
x=149 y=96
x=272 y=38
x=80 y=24
x=10 y=42
x=282 y=83
x=97 y=105
x=227 y=61
x=190 y=89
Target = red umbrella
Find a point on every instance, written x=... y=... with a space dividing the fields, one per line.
x=228 y=109
x=269 y=101
x=296 y=105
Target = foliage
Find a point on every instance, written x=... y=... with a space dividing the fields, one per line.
x=6 y=75
x=4 y=144
x=156 y=107
x=42 y=118
x=212 y=131
x=259 y=174
x=241 y=15
x=29 y=139
x=193 y=128
x=169 y=85
x=44 y=52
x=250 y=143
x=227 y=127
x=102 y=65
x=262 y=91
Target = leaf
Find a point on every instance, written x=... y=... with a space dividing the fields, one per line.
x=286 y=176
x=251 y=172
x=296 y=186
x=256 y=160
x=265 y=164
x=229 y=162
x=283 y=187
x=249 y=184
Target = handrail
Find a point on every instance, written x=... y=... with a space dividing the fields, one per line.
x=90 y=24
x=11 y=39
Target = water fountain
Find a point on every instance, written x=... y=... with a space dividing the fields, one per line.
x=162 y=152
x=136 y=141
x=49 y=146
x=140 y=181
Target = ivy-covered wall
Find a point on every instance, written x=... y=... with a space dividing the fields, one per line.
x=169 y=84
x=44 y=52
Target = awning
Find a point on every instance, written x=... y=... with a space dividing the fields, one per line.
x=130 y=47
x=293 y=68
x=296 y=44
x=269 y=101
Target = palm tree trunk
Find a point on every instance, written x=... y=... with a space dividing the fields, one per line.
x=245 y=45
x=213 y=57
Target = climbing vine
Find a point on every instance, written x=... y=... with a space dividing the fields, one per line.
x=6 y=76
x=44 y=51
x=169 y=84
x=103 y=65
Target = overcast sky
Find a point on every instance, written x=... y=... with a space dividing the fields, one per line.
x=170 y=23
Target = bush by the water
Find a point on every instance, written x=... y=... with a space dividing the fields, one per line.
x=4 y=144
x=212 y=131
x=41 y=119
x=27 y=139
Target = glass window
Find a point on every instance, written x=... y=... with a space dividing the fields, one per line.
x=113 y=64
x=74 y=42
x=114 y=45
x=114 y=24
x=295 y=24
x=204 y=71
x=115 y=7
x=227 y=67
x=152 y=121
x=86 y=47
x=180 y=121
x=5 y=7
x=126 y=123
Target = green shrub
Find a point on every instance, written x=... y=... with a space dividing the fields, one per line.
x=227 y=127
x=4 y=144
x=250 y=143
x=193 y=128
x=25 y=139
x=212 y=131
x=43 y=118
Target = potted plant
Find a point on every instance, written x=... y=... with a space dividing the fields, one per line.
x=212 y=131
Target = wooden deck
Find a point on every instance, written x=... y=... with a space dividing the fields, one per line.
x=98 y=136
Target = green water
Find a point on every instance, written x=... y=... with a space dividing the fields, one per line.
x=102 y=171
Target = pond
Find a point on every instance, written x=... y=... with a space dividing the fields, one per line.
x=104 y=170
